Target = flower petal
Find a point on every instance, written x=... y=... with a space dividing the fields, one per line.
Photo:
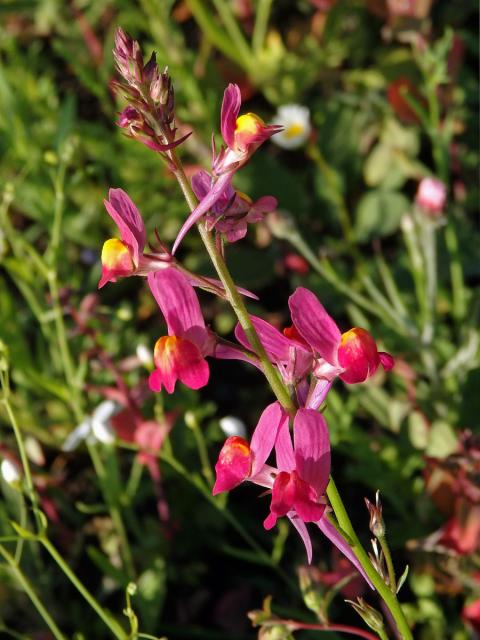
x=233 y=464
x=271 y=421
x=177 y=301
x=314 y=324
x=284 y=449
x=232 y=101
x=207 y=203
x=178 y=359
x=302 y=530
x=275 y=343
x=320 y=391
x=358 y=355
x=312 y=449
x=386 y=360
x=129 y=221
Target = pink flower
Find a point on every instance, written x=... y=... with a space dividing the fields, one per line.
x=471 y=614
x=352 y=356
x=181 y=354
x=125 y=257
x=431 y=196
x=299 y=481
x=242 y=135
x=233 y=209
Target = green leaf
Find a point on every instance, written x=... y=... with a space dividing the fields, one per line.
x=106 y=567
x=379 y=213
x=418 y=430
x=442 y=440
x=378 y=164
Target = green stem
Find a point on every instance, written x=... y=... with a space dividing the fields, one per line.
x=440 y=150
x=456 y=273
x=57 y=214
x=29 y=590
x=429 y=242
x=262 y=16
x=32 y=494
x=391 y=286
x=107 y=618
x=198 y=484
x=234 y=297
x=213 y=32
x=67 y=364
x=113 y=510
x=332 y=180
x=387 y=596
x=388 y=559
x=207 y=472
x=234 y=32
x=416 y=265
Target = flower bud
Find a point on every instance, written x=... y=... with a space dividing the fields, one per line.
x=431 y=196
x=377 y=524
x=371 y=616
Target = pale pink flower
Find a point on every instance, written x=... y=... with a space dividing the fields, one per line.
x=431 y=196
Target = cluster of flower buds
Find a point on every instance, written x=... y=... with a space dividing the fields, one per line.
x=149 y=116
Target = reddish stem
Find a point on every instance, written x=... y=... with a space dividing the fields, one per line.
x=294 y=625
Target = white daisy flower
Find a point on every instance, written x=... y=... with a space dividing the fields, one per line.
x=297 y=128
x=145 y=355
x=233 y=426
x=10 y=472
x=95 y=428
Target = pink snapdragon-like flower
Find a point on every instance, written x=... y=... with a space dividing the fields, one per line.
x=181 y=354
x=233 y=210
x=299 y=481
x=238 y=460
x=304 y=469
x=242 y=135
x=125 y=256
x=352 y=356
x=431 y=196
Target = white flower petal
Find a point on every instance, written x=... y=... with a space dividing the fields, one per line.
x=233 y=426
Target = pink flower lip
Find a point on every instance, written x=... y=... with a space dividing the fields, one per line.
x=181 y=354
x=233 y=465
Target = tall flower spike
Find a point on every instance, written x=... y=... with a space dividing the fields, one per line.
x=181 y=354
x=242 y=135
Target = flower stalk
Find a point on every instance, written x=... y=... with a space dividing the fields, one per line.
x=285 y=400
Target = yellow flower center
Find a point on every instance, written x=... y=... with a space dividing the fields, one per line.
x=249 y=123
x=294 y=130
x=116 y=254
